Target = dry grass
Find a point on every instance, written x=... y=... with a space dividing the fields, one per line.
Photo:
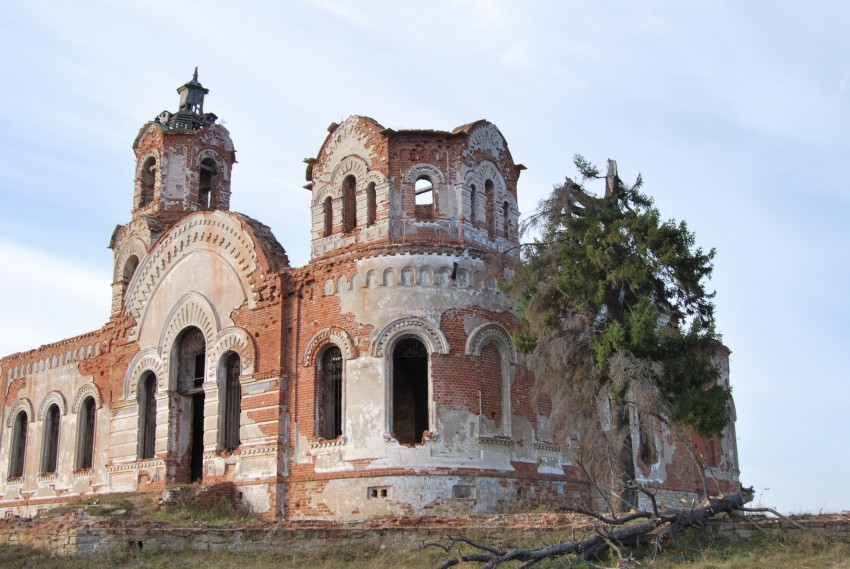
x=692 y=552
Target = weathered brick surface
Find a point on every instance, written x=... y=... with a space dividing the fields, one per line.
x=74 y=535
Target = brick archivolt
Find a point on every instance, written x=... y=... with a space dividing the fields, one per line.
x=146 y=360
x=192 y=310
x=487 y=333
x=418 y=170
x=88 y=390
x=349 y=166
x=486 y=170
x=220 y=164
x=156 y=154
x=237 y=340
x=407 y=327
x=21 y=404
x=333 y=335
x=204 y=231
x=54 y=397
x=132 y=247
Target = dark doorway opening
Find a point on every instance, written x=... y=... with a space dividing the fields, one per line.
x=196 y=469
x=410 y=391
x=191 y=373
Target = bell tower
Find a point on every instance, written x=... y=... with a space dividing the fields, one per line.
x=183 y=166
x=183 y=160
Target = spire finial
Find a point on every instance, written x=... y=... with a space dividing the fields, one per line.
x=195 y=75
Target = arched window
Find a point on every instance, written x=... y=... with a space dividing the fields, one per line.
x=191 y=353
x=85 y=434
x=330 y=412
x=191 y=364
x=19 y=446
x=147 y=416
x=148 y=178
x=410 y=391
x=424 y=188
x=506 y=219
x=489 y=198
x=371 y=204
x=328 y=214
x=424 y=197
x=232 y=400
x=492 y=392
x=473 y=204
x=130 y=267
x=50 y=445
x=349 y=203
x=206 y=183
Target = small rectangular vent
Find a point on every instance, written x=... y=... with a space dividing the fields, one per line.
x=378 y=492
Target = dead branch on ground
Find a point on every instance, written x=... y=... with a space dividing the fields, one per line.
x=617 y=534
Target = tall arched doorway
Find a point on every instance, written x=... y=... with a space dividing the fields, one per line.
x=410 y=391
x=191 y=353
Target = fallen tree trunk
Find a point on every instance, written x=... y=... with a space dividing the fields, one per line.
x=617 y=533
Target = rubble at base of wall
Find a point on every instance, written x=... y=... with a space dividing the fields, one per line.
x=76 y=534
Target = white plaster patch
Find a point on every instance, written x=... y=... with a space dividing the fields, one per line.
x=255 y=498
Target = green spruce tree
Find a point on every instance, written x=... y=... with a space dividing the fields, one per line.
x=617 y=324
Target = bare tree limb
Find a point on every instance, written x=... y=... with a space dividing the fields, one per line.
x=658 y=527
x=777 y=514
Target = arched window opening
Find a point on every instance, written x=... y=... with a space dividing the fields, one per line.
x=50 y=446
x=130 y=267
x=148 y=175
x=506 y=219
x=19 y=446
x=328 y=214
x=371 y=204
x=232 y=400
x=85 y=434
x=410 y=391
x=424 y=198
x=191 y=371
x=492 y=378
x=489 y=198
x=424 y=191
x=349 y=203
x=330 y=409
x=473 y=205
x=206 y=182
x=147 y=416
x=192 y=354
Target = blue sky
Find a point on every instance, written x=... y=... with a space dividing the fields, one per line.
x=737 y=114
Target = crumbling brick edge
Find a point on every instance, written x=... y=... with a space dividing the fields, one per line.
x=78 y=534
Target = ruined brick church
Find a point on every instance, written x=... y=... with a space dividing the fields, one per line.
x=380 y=379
